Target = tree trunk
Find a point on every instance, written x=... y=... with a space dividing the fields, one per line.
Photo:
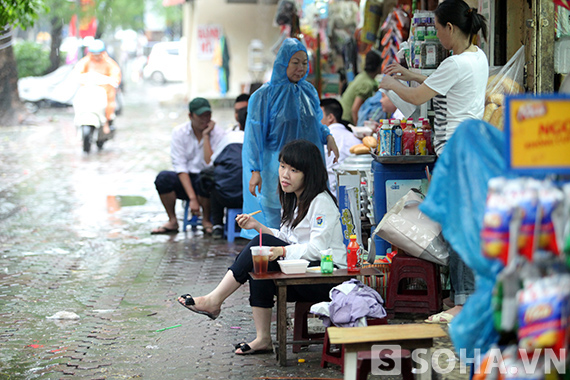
x=54 y=54
x=10 y=105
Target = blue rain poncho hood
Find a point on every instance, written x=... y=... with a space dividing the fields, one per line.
x=278 y=112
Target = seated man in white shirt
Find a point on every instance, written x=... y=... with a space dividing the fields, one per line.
x=191 y=150
x=227 y=191
x=332 y=117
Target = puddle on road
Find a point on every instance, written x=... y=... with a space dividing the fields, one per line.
x=115 y=202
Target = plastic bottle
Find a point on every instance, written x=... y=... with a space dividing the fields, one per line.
x=426 y=127
x=421 y=148
x=397 y=139
x=385 y=138
x=327 y=265
x=409 y=140
x=352 y=252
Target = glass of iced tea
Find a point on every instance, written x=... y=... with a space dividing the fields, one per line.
x=260 y=256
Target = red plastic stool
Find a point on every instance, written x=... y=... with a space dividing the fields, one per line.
x=300 y=326
x=402 y=300
x=363 y=366
x=333 y=354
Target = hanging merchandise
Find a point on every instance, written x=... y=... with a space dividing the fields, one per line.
x=393 y=32
x=372 y=17
x=524 y=225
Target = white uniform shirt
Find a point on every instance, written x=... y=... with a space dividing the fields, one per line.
x=344 y=140
x=186 y=152
x=460 y=81
x=319 y=230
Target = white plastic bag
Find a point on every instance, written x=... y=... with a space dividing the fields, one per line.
x=406 y=227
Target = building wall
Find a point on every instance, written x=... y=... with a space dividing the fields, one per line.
x=240 y=23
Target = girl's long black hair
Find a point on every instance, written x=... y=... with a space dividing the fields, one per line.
x=458 y=13
x=303 y=155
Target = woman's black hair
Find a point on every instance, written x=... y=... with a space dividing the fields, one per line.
x=458 y=13
x=303 y=155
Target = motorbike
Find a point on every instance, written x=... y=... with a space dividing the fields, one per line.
x=89 y=106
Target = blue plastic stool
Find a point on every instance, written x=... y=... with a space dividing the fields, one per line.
x=194 y=221
x=230 y=228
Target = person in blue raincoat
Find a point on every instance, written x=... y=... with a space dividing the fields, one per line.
x=284 y=109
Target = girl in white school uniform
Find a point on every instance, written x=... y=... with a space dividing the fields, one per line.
x=310 y=223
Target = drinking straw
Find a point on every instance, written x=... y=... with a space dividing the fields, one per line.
x=260 y=238
x=254 y=213
x=168 y=328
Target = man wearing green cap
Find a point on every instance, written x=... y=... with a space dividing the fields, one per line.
x=191 y=151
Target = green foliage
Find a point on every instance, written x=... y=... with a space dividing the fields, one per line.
x=22 y=13
x=32 y=59
x=119 y=14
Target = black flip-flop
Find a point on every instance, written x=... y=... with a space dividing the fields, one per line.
x=189 y=304
x=164 y=231
x=247 y=350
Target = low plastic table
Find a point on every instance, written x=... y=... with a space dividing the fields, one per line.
x=282 y=280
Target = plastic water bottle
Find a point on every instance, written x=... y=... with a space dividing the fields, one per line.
x=327 y=265
x=397 y=139
x=352 y=253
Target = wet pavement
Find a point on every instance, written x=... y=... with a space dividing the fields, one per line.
x=74 y=237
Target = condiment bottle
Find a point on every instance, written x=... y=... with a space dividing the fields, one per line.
x=352 y=253
x=421 y=148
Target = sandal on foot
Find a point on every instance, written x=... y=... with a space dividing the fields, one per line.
x=443 y=318
x=208 y=230
x=247 y=350
x=164 y=230
x=189 y=304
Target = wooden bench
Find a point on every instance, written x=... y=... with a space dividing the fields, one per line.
x=406 y=336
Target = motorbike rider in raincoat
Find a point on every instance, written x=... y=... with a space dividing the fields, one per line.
x=97 y=60
x=284 y=109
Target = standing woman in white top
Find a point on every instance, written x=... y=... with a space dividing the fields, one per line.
x=310 y=223
x=458 y=84
x=458 y=89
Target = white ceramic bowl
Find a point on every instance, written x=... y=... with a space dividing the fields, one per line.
x=293 y=266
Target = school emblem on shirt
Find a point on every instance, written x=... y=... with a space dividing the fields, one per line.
x=320 y=221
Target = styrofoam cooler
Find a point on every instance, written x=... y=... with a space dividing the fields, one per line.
x=391 y=182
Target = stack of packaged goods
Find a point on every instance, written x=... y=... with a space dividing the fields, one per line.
x=426 y=51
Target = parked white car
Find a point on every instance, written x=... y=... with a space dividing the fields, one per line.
x=166 y=63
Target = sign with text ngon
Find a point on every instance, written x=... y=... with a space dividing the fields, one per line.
x=538 y=134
